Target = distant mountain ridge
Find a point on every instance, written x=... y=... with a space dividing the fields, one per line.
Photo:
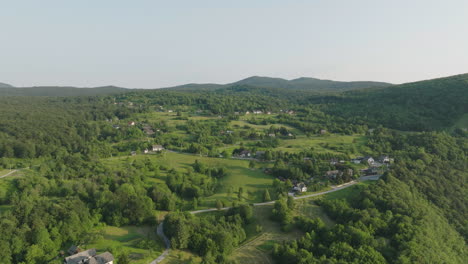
x=60 y=91
x=5 y=85
x=303 y=83
x=307 y=83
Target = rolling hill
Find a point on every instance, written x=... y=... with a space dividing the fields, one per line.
x=305 y=83
x=5 y=85
x=60 y=91
x=424 y=105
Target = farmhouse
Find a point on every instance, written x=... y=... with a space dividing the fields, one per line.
x=89 y=257
x=245 y=154
x=384 y=159
x=333 y=174
x=158 y=148
x=369 y=160
x=300 y=187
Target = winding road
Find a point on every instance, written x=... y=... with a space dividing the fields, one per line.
x=167 y=242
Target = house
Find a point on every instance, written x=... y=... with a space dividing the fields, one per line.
x=272 y=135
x=229 y=131
x=158 y=148
x=369 y=160
x=133 y=153
x=170 y=111
x=384 y=159
x=357 y=160
x=247 y=113
x=300 y=187
x=245 y=154
x=89 y=257
x=333 y=174
x=116 y=126
x=371 y=171
x=257 y=112
x=323 y=131
x=73 y=250
x=131 y=123
x=148 y=130
x=80 y=257
x=259 y=154
x=290 y=135
x=268 y=113
x=146 y=151
x=333 y=161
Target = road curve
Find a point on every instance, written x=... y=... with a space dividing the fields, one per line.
x=334 y=189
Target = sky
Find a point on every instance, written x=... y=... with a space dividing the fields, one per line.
x=151 y=44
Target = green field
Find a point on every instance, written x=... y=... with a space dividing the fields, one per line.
x=350 y=192
x=253 y=181
x=257 y=249
x=141 y=243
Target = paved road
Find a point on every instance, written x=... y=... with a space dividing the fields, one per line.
x=334 y=189
x=11 y=172
x=167 y=242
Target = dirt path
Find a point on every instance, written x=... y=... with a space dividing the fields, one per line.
x=11 y=172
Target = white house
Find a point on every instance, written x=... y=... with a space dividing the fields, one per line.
x=157 y=148
x=89 y=257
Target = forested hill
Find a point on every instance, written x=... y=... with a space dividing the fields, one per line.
x=425 y=105
x=305 y=83
x=302 y=84
x=5 y=85
x=59 y=91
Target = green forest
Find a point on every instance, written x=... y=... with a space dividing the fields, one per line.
x=78 y=169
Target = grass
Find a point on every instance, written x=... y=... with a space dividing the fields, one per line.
x=329 y=143
x=258 y=246
x=253 y=181
x=308 y=208
x=349 y=193
x=129 y=239
x=181 y=257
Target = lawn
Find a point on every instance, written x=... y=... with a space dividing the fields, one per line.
x=181 y=257
x=141 y=243
x=253 y=181
x=328 y=143
x=258 y=247
x=308 y=208
x=350 y=192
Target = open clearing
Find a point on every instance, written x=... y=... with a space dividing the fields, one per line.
x=142 y=243
x=257 y=249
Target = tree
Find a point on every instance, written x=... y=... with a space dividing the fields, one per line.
x=252 y=164
x=123 y=258
x=219 y=204
x=266 y=196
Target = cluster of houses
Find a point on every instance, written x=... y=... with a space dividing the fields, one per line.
x=89 y=256
x=375 y=167
x=155 y=148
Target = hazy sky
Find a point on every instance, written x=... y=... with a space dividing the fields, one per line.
x=149 y=44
